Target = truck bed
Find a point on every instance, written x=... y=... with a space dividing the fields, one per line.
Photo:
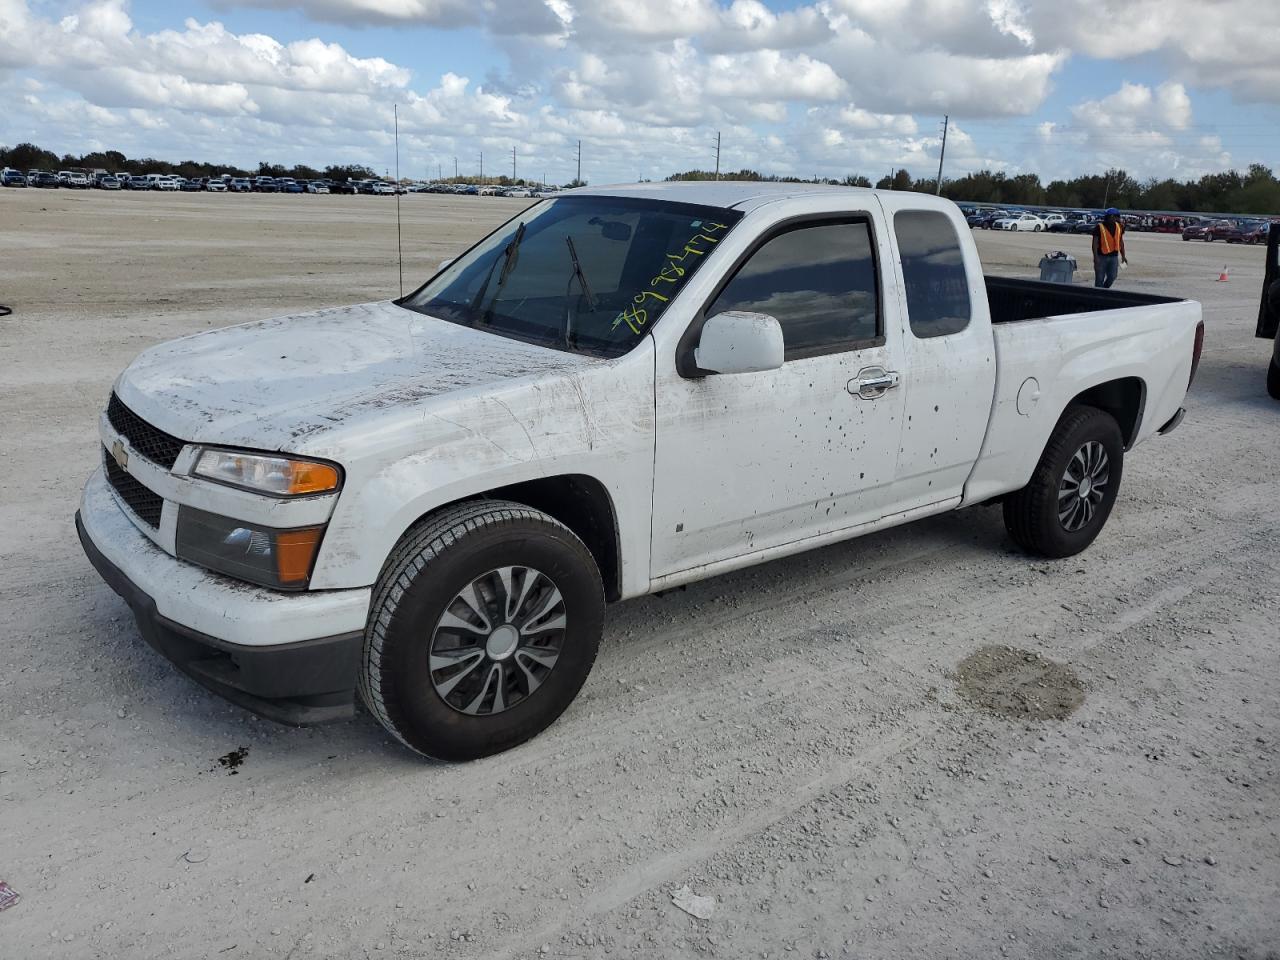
x=1013 y=300
x=1053 y=342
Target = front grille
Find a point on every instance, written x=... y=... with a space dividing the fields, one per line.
x=154 y=444
x=139 y=499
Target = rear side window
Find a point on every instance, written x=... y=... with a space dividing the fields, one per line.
x=818 y=281
x=933 y=270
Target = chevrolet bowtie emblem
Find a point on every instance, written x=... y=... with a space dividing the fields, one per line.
x=120 y=455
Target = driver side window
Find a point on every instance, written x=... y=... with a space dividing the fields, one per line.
x=818 y=280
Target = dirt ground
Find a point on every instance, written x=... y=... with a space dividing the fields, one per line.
x=917 y=744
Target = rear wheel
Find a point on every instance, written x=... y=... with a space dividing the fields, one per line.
x=1066 y=504
x=1273 y=379
x=483 y=628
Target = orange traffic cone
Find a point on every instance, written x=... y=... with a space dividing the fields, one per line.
x=1222 y=277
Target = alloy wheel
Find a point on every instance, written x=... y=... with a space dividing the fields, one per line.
x=497 y=641
x=1084 y=486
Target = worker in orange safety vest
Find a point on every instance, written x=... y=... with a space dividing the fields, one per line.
x=1108 y=248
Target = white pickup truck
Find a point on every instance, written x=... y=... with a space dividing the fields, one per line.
x=618 y=391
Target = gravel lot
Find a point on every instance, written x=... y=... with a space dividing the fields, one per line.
x=917 y=744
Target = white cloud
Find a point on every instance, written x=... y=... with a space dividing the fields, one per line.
x=1229 y=44
x=1138 y=128
x=826 y=86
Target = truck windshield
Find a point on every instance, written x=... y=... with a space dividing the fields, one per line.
x=584 y=274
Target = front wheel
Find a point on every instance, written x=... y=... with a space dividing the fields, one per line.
x=1066 y=504
x=1273 y=379
x=483 y=628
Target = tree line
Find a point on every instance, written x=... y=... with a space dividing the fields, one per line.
x=1256 y=191
x=28 y=156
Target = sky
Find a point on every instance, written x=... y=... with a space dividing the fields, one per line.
x=1162 y=88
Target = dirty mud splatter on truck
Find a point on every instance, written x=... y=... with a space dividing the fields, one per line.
x=323 y=369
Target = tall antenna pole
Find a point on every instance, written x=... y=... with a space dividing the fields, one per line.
x=717 y=154
x=482 y=168
x=399 y=245
x=513 y=164
x=578 y=179
x=455 y=168
x=942 y=155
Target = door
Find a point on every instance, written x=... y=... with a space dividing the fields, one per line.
x=949 y=350
x=747 y=462
x=1269 y=310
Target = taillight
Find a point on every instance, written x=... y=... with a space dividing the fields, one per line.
x=1196 y=350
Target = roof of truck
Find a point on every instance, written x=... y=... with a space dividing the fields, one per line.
x=748 y=195
x=739 y=194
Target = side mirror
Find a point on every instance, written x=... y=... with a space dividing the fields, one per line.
x=740 y=342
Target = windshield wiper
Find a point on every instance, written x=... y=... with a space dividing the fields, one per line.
x=509 y=259
x=581 y=277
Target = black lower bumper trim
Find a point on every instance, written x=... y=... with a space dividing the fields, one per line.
x=1172 y=425
x=308 y=682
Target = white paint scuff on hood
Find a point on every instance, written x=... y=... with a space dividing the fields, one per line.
x=271 y=384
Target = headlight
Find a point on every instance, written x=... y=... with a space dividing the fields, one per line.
x=263 y=473
x=273 y=558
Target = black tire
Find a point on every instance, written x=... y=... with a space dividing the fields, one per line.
x=1031 y=515
x=423 y=577
x=1273 y=379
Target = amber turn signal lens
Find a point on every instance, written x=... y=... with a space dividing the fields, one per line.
x=307 y=477
x=295 y=552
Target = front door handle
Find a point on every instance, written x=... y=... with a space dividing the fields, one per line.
x=873 y=382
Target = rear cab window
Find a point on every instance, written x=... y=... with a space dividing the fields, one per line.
x=933 y=272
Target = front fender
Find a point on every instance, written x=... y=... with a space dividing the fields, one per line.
x=595 y=422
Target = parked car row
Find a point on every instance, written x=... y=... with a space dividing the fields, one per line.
x=229 y=184
x=1190 y=226
x=1232 y=231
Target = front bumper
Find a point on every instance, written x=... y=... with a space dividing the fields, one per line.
x=277 y=655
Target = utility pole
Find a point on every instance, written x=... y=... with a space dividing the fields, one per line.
x=482 y=168
x=578 y=178
x=513 y=164
x=455 y=168
x=943 y=153
x=717 y=154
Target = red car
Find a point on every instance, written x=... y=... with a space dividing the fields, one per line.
x=1257 y=232
x=1213 y=230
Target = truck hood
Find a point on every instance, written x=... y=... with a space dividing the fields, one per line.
x=276 y=384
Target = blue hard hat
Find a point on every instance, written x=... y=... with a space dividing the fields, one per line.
x=1111 y=212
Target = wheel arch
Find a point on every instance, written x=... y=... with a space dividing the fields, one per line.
x=579 y=501
x=583 y=504
x=1124 y=398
